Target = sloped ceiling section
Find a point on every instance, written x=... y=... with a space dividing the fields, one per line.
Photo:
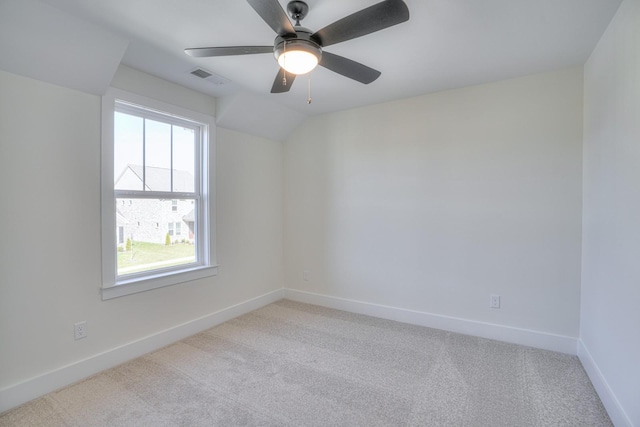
x=258 y=115
x=44 y=43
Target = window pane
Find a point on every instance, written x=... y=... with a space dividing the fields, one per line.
x=127 y=149
x=184 y=144
x=146 y=223
x=157 y=156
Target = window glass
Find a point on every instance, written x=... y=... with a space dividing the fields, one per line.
x=128 y=150
x=153 y=157
x=157 y=155
x=183 y=159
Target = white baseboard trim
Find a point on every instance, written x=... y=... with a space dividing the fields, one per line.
x=543 y=340
x=615 y=410
x=23 y=392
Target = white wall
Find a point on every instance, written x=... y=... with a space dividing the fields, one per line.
x=434 y=203
x=50 y=174
x=610 y=315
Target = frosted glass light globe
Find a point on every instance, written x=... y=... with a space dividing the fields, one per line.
x=298 y=61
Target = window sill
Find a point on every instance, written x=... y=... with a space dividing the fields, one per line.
x=133 y=286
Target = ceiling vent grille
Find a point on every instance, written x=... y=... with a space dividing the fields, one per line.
x=209 y=77
x=199 y=72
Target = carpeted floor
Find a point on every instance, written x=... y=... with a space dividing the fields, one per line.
x=293 y=364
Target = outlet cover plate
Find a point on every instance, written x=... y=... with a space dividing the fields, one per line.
x=80 y=330
x=495 y=301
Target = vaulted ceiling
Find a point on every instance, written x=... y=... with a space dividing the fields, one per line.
x=445 y=44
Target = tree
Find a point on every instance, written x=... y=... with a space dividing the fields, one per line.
x=127 y=246
x=167 y=240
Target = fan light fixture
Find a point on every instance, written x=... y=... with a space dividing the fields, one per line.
x=298 y=56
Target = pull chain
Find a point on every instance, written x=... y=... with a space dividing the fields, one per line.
x=309 y=90
x=284 y=71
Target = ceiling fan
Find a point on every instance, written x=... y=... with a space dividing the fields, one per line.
x=298 y=50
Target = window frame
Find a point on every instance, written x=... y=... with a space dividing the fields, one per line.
x=114 y=286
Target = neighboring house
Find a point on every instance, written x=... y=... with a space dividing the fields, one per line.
x=149 y=220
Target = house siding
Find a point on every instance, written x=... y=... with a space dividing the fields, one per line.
x=147 y=220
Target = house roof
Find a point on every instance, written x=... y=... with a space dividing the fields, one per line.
x=190 y=217
x=156 y=179
x=120 y=218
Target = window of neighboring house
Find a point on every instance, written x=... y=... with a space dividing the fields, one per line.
x=153 y=152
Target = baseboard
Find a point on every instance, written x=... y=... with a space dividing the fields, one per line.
x=23 y=392
x=615 y=410
x=560 y=343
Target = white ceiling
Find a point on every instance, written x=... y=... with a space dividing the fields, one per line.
x=445 y=44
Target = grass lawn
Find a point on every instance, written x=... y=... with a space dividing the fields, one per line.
x=149 y=256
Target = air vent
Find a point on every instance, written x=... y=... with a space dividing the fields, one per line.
x=210 y=77
x=199 y=72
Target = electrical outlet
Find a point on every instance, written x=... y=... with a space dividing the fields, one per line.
x=80 y=330
x=305 y=275
x=495 y=301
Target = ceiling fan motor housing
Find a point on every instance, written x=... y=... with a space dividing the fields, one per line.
x=301 y=41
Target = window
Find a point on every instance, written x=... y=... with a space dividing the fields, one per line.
x=154 y=154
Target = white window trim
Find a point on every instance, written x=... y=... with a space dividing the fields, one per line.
x=112 y=287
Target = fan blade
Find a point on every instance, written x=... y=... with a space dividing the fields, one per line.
x=272 y=13
x=348 y=68
x=374 y=18
x=279 y=85
x=203 y=52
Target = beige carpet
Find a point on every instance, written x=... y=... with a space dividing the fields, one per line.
x=292 y=364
